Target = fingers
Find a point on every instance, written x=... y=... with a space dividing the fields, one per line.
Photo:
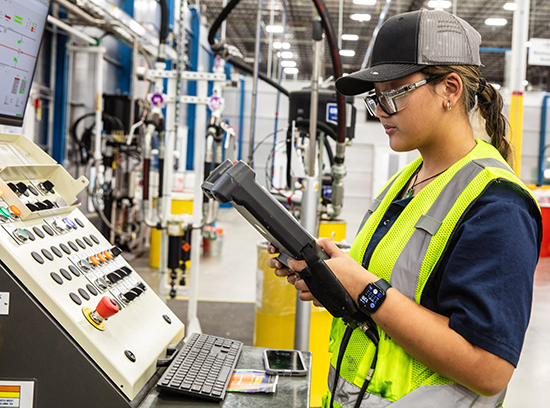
x=271 y=249
x=329 y=247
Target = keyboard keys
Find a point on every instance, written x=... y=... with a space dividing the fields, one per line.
x=202 y=368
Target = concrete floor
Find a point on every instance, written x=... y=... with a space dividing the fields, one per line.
x=231 y=280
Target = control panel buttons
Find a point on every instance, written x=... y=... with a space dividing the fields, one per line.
x=94 y=260
x=46 y=187
x=21 y=235
x=113 y=277
x=80 y=223
x=80 y=243
x=94 y=238
x=116 y=251
x=56 y=278
x=88 y=241
x=32 y=207
x=91 y=289
x=65 y=274
x=102 y=283
x=47 y=254
x=13 y=188
x=33 y=190
x=101 y=257
x=74 y=270
x=60 y=225
x=48 y=204
x=48 y=230
x=38 y=232
x=85 y=265
x=107 y=255
x=37 y=257
x=4 y=212
x=22 y=188
x=41 y=206
x=15 y=210
x=84 y=294
x=56 y=251
x=65 y=249
x=73 y=246
x=74 y=297
x=69 y=223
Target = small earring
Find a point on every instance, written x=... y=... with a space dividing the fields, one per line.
x=449 y=105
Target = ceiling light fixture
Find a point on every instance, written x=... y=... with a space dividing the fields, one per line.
x=288 y=64
x=285 y=54
x=291 y=70
x=278 y=45
x=360 y=17
x=347 y=53
x=496 y=21
x=365 y=2
x=350 y=37
x=439 y=4
x=510 y=6
x=274 y=29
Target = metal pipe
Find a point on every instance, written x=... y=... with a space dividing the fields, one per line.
x=54 y=21
x=340 y=23
x=99 y=108
x=314 y=105
x=255 y=83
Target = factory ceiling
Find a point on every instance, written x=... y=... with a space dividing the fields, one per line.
x=241 y=31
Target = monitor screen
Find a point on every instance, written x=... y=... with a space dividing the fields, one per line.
x=22 y=24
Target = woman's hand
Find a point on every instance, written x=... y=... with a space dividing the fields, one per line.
x=291 y=275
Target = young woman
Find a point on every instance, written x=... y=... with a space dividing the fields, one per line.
x=444 y=261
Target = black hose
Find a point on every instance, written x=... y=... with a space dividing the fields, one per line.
x=217 y=24
x=163 y=35
x=236 y=62
x=245 y=68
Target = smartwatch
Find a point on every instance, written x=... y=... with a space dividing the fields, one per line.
x=372 y=296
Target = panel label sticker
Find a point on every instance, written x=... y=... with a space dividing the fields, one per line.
x=4 y=303
x=16 y=394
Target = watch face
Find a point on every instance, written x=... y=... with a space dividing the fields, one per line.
x=371 y=298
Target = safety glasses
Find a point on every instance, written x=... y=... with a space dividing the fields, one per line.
x=392 y=101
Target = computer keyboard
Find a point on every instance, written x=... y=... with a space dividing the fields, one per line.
x=202 y=368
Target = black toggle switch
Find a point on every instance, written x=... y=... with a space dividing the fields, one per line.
x=48 y=204
x=116 y=251
x=41 y=206
x=22 y=187
x=126 y=270
x=47 y=186
x=113 y=277
x=130 y=295
x=32 y=207
x=13 y=188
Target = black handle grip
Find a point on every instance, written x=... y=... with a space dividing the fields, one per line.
x=330 y=292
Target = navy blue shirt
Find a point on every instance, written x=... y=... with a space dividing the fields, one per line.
x=484 y=280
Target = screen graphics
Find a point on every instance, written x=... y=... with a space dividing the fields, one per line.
x=22 y=24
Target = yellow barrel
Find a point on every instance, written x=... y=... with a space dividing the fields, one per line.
x=181 y=204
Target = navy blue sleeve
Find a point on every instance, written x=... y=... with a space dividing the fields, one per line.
x=485 y=280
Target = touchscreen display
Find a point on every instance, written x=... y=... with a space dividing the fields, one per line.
x=284 y=360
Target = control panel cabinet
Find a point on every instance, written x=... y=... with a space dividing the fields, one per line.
x=76 y=318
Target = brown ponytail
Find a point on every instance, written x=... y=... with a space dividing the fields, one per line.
x=489 y=102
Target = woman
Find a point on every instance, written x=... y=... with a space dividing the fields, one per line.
x=444 y=261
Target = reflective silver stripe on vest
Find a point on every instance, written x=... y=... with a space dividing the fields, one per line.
x=404 y=276
x=376 y=202
x=426 y=396
x=347 y=393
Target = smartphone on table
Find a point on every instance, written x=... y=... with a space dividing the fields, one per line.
x=284 y=362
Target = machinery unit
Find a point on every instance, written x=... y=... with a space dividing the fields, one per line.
x=76 y=320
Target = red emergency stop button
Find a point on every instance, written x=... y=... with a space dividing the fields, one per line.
x=107 y=307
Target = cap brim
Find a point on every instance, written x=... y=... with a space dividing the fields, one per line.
x=363 y=81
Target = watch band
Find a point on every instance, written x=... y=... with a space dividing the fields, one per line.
x=382 y=284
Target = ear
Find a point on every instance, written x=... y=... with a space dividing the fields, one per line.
x=451 y=89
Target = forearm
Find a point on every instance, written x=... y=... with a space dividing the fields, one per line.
x=427 y=337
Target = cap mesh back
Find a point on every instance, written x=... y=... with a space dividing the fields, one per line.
x=445 y=39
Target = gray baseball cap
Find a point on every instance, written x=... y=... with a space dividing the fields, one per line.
x=408 y=42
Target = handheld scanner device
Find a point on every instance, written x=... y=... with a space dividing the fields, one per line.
x=236 y=183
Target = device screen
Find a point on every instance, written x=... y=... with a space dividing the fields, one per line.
x=23 y=23
x=284 y=360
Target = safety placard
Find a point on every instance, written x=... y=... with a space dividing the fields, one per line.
x=16 y=394
x=539 y=52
